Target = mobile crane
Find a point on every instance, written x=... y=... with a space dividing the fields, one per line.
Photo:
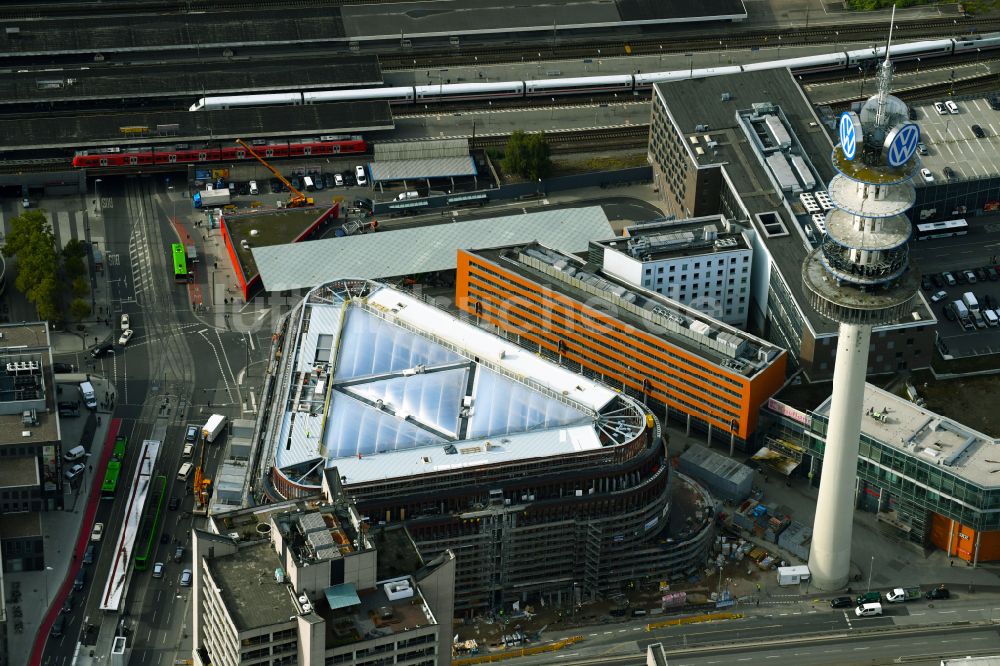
x=297 y=200
x=201 y=482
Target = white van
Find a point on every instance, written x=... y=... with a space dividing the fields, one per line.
x=991 y=318
x=75 y=454
x=184 y=472
x=407 y=195
x=89 y=396
x=253 y=187
x=307 y=182
x=868 y=610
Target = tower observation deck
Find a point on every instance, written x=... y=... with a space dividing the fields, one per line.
x=860 y=277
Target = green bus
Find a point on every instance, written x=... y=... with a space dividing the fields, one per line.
x=119 y=451
x=180 y=263
x=110 y=485
x=151 y=523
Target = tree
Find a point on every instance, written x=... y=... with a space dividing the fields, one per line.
x=79 y=308
x=527 y=155
x=80 y=286
x=33 y=244
x=73 y=258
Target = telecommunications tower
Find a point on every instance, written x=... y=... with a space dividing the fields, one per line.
x=860 y=277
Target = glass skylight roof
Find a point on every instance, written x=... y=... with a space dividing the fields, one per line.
x=503 y=407
x=356 y=428
x=433 y=399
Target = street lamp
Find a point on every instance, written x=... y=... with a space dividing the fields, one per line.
x=97 y=197
x=870 y=567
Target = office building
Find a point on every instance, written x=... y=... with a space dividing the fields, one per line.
x=709 y=375
x=305 y=582
x=704 y=263
x=549 y=487
x=748 y=146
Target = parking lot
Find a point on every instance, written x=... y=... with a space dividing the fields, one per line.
x=951 y=142
x=978 y=332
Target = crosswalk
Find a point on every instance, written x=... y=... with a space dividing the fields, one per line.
x=66 y=225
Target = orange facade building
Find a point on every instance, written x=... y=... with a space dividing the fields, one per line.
x=710 y=375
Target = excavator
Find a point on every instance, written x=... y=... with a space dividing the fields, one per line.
x=297 y=200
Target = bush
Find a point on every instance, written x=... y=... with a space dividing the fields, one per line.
x=527 y=155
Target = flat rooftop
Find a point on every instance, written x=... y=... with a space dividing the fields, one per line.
x=392 y=387
x=673 y=322
x=18 y=471
x=899 y=423
x=272 y=227
x=469 y=17
x=104 y=81
x=703 y=104
x=374 y=612
x=950 y=142
x=21 y=525
x=34 y=335
x=246 y=583
x=670 y=239
x=170 y=127
x=423 y=249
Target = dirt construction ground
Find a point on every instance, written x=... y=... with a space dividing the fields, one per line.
x=971 y=401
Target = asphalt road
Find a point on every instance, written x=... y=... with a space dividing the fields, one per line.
x=176 y=369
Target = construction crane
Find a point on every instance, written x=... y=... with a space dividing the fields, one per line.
x=297 y=199
x=201 y=483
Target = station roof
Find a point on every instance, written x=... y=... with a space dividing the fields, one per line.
x=436 y=167
x=107 y=82
x=703 y=104
x=422 y=249
x=925 y=435
x=274 y=227
x=137 y=32
x=426 y=18
x=143 y=129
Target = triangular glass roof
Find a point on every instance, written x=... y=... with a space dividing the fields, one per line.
x=433 y=398
x=503 y=407
x=353 y=428
x=370 y=346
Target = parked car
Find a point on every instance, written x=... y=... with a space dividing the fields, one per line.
x=970 y=277
x=939 y=296
x=938 y=593
x=978 y=131
x=338 y=180
x=841 y=602
x=68 y=409
x=191 y=435
x=90 y=553
x=939 y=107
x=275 y=186
x=991 y=274
x=980 y=274
x=97 y=533
x=949 y=312
x=951 y=106
x=936 y=279
x=949 y=173
x=922 y=148
x=329 y=181
x=318 y=181
x=925 y=283
x=949 y=279
x=63 y=367
x=101 y=350
x=927 y=175
x=360 y=177
x=74 y=471
x=125 y=337
x=961 y=277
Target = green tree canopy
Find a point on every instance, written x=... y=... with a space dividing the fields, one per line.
x=527 y=155
x=33 y=244
x=73 y=258
x=79 y=308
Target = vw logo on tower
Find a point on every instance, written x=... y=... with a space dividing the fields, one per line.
x=850 y=133
x=901 y=143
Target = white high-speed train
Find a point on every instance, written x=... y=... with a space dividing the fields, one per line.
x=840 y=60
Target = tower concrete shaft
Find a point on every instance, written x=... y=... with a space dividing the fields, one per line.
x=830 y=553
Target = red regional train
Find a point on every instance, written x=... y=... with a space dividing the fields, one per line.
x=305 y=147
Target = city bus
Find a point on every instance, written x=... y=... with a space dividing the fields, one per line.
x=119 y=451
x=110 y=485
x=146 y=545
x=180 y=263
x=942 y=229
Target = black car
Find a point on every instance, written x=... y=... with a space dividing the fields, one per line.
x=275 y=186
x=362 y=202
x=175 y=502
x=67 y=606
x=960 y=277
x=842 y=602
x=991 y=274
x=68 y=409
x=938 y=593
x=329 y=181
x=980 y=274
x=978 y=131
x=949 y=312
x=926 y=284
x=101 y=350
x=63 y=367
x=989 y=302
x=243 y=189
x=295 y=182
x=191 y=435
x=936 y=279
x=994 y=102
x=949 y=173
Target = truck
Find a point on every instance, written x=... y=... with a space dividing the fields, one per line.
x=209 y=198
x=961 y=310
x=212 y=427
x=89 y=395
x=793 y=575
x=970 y=300
x=901 y=594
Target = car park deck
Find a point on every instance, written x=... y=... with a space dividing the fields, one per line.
x=144 y=129
x=143 y=81
x=951 y=142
